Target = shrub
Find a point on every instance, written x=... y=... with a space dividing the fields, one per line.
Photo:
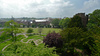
x=53 y=39
x=30 y=30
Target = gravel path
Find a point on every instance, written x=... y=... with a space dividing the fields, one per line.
x=37 y=42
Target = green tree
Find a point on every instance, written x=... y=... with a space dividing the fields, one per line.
x=94 y=21
x=64 y=22
x=95 y=18
x=94 y=26
x=4 y=35
x=75 y=22
x=11 y=28
x=76 y=40
x=55 y=22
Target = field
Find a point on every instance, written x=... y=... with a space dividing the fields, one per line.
x=44 y=30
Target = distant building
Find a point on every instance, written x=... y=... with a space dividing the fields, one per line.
x=28 y=23
x=42 y=22
x=84 y=18
x=2 y=23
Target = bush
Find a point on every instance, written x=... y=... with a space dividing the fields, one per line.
x=30 y=30
x=53 y=39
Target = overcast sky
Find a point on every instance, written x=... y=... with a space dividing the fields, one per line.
x=46 y=8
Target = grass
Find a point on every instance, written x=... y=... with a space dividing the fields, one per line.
x=44 y=30
x=35 y=37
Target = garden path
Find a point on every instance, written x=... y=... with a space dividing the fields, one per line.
x=37 y=42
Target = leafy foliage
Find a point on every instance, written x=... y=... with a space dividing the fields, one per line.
x=30 y=30
x=0 y=54
x=75 y=22
x=11 y=28
x=64 y=22
x=97 y=37
x=94 y=22
x=94 y=19
x=53 y=39
x=4 y=35
x=23 y=49
x=76 y=38
x=55 y=22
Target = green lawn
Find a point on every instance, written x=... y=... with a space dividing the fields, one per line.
x=35 y=37
x=44 y=30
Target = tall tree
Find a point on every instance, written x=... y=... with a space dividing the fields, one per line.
x=76 y=40
x=64 y=22
x=11 y=27
x=75 y=22
x=55 y=22
x=94 y=20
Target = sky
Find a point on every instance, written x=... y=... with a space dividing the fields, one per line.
x=46 y=8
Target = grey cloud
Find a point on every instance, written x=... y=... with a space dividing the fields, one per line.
x=56 y=8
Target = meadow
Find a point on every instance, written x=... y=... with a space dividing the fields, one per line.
x=44 y=30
